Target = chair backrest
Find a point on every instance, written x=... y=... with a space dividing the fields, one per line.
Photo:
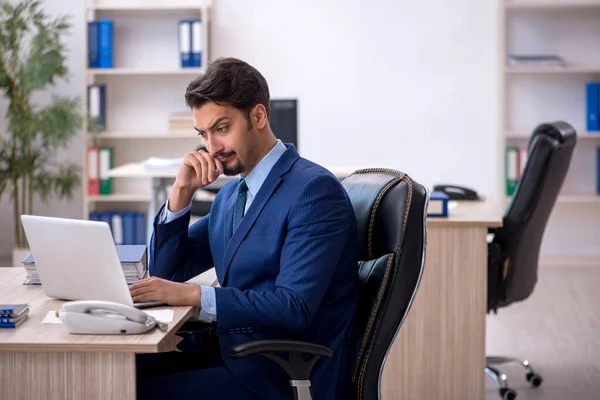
x=549 y=155
x=391 y=210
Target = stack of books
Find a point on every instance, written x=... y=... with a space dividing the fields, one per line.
x=13 y=315
x=134 y=261
x=181 y=123
x=535 y=60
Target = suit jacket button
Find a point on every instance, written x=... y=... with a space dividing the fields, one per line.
x=250 y=330
x=244 y=330
x=238 y=330
x=232 y=331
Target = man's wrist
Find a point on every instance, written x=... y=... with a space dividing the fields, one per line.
x=194 y=295
x=180 y=198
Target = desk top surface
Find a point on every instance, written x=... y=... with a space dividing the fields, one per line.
x=487 y=212
x=32 y=335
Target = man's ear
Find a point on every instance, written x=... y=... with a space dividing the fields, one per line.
x=258 y=116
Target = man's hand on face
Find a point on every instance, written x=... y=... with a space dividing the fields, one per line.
x=198 y=169
x=172 y=293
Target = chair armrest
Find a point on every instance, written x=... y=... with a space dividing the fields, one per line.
x=296 y=366
x=278 y=346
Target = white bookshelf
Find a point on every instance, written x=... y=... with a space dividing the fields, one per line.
x=532 y=95
x=551 y=5
x=148 y=135
x=143 y=71
x=145 y=86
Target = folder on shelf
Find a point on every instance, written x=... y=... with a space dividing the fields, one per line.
x=438 y=204
x=598 y=170
x=92 y=171
x=93 y=56
x=511 y=169
x=105 y=164
x=185 y=43
x=196 y=42
x=105 y=43
x=117 y=227
x=97 y=104
x=592 y=101
x=128 y=228
x=522 y=160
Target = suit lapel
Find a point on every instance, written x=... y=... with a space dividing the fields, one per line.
x=264 y=194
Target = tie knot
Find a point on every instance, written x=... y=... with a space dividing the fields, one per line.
x=242 y=186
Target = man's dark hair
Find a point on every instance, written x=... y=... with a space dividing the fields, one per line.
x=229 y=81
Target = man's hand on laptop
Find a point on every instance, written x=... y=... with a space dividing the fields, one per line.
x=172 y=293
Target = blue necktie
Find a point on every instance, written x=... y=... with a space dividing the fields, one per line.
x=240 y=203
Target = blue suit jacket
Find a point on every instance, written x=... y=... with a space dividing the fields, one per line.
x=289 y=271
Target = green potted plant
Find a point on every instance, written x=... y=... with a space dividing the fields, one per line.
x=32 y=59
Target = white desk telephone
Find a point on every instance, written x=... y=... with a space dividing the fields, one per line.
x=106 y=318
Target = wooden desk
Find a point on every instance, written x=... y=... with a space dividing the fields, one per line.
x=39 y=361
x=439 y=352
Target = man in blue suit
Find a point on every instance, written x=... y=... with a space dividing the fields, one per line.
x=282 y=239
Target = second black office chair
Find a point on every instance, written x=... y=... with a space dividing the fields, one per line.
x=514 y=250
x=391 y=211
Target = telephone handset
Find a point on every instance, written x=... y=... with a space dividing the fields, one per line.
x=455 y=192
x=89 y=317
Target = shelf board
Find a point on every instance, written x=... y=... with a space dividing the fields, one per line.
x=114 y=5
x=582 y=135
x=145 y=135
x=553 y=70
x=545 y=4
x=579 y=199
x=118 y=198
x=574 y=199
x=144 y=71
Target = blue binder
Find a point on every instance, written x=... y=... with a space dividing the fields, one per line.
x=140 y=228
x=93 y=59
x=185 y=43
x=196 y=43
x=598 y=170
x=96 y=103
x=592 y=97
x=105 y=43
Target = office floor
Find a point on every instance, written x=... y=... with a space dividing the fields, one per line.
x=558 y=330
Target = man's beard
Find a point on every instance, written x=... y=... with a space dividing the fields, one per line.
x=233 y=169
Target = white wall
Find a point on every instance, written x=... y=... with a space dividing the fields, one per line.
x=406 y=85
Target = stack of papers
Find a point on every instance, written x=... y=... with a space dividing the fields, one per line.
x=134 y=261
x=159 y=164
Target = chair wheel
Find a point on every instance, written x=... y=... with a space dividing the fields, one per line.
x=508 y=394
x=534 y=379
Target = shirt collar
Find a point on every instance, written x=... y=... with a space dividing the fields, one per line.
x=257 y=176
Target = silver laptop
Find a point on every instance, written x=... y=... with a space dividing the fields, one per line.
x=77 y=260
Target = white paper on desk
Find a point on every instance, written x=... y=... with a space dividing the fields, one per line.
x=51 y=318
x=165 y=316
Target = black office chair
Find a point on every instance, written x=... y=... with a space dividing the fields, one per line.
x=514 y=250
x=391 y=210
